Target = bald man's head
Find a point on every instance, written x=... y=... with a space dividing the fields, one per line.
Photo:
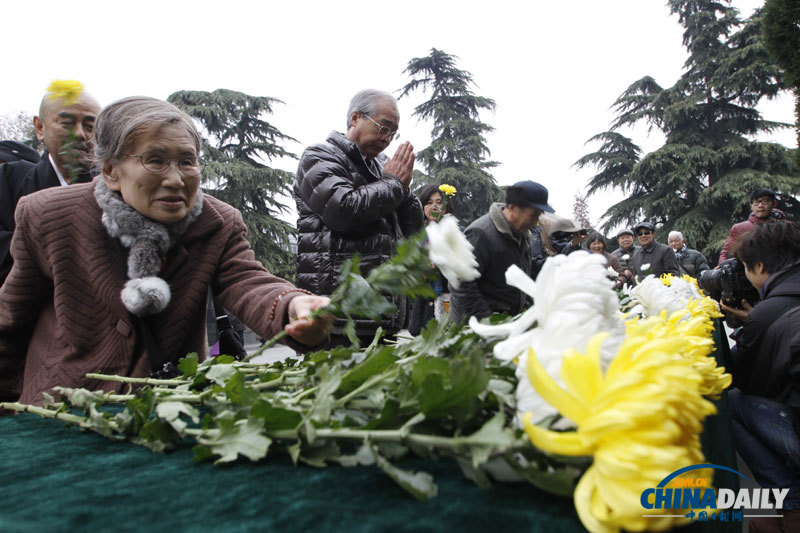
x=67 y=132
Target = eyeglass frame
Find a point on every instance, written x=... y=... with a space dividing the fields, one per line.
x=393 y=135
x=761 y=201
x=644 y=232
x=171 y=161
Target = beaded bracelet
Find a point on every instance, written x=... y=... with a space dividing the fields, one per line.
x=279 y=297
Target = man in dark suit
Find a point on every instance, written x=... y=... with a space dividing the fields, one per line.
x=65 y=124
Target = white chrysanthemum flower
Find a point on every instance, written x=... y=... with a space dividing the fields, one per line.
x=645 y=267
x=451 y=252
x=626 y=257
x=652 y=297
x=611 y=273
x=573 y=300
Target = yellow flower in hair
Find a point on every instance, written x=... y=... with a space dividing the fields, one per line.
x=640 y=420
x=449 y=190
x=67 y=90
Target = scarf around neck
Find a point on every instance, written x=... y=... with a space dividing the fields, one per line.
x=145 y=293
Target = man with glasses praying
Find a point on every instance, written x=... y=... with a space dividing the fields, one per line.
x=763 y=204
x=352 y=199
x=653 y=257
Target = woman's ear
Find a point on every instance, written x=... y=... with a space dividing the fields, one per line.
x=110 y=176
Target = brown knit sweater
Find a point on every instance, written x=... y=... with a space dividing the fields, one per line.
x=61 y=315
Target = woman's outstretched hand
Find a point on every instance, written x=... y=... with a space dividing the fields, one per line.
x=304 y=328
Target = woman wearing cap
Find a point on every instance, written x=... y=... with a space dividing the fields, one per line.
x=596 y=244
x=112 y=275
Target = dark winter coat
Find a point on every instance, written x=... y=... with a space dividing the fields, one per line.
x=692 y=262
x=497 y=245
x=18 y=179
x=766 y=361
x=660 y=257
x=625 y=264
x=347 y=206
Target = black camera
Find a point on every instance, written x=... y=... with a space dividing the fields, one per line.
x=729 y=284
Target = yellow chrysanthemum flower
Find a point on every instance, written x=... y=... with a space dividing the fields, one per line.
x=68 y=90
x=699 y=344
x=449 y=190
x=641 y=421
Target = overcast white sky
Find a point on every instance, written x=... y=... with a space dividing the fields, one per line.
x=553 y=69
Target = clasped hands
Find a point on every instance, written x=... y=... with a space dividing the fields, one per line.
x=402 y=164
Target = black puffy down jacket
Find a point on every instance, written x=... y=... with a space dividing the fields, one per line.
x=346 y=205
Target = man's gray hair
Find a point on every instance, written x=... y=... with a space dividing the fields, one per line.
x=677 y=234
x=366 y=102
x=121 y=122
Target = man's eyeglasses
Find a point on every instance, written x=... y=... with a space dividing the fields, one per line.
x=644 y=232
x=761 y=201
x=383 y=131
x=188 y=166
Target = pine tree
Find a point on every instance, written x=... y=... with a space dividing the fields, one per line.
x=238 y=140
x=699 y=181
x=781 y=29
x=458 y=151
x=580 y=211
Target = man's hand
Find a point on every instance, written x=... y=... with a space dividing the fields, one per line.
x=402 y=164
x=302 y=328
x=741 y=314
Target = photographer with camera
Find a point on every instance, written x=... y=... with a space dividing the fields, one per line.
x=766 y=367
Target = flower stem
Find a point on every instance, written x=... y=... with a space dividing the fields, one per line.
x=46 y=413
x=144 y=381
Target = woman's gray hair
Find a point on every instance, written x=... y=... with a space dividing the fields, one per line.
x=677 y=234
x=120 y=122
x=366 y=102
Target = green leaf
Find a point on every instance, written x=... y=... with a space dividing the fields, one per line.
x=450 y=387
x=220 y=373
x=318 y=455
x=170 y=412
x=363 y=457
x=419 y=484
x=202 y=453
x=275 y=418
x=238 y=392
x=157 y=435
x=188 y=365
x=375 y=363
x=493 y=438
x=240 y=437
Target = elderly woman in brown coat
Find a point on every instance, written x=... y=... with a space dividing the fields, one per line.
x=111 y=273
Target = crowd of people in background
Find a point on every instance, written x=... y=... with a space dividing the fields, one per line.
x=110 y=254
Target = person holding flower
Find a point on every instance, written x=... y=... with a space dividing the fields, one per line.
x=624 y=253
x=112 y=276
x=65 y=125
x=436 y=202
x=596 y=244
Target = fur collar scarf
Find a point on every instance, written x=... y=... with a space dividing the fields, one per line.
x=145 y=293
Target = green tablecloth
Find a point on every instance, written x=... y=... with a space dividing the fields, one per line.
x=61 y=479
x=54 y=478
